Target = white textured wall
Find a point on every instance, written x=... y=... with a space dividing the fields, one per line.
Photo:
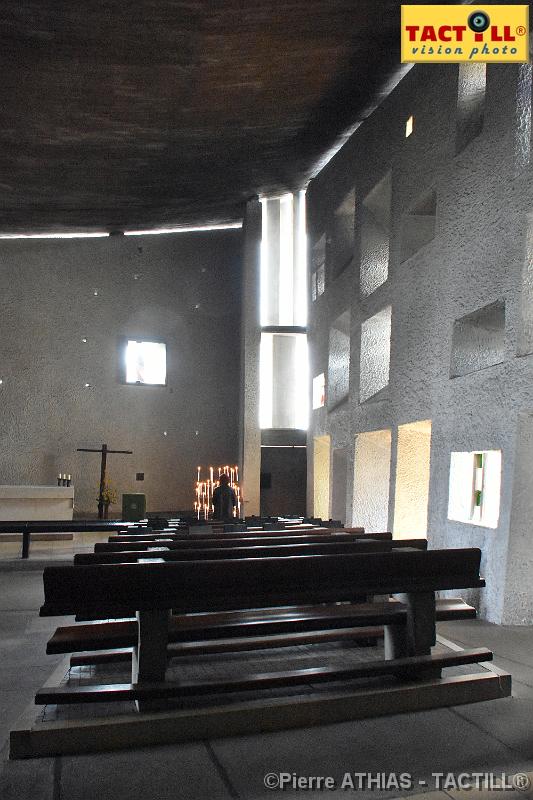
x=182 y=289
x=371 y=480
x=480 y=254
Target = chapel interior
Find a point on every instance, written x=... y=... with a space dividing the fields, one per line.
x=266 y=404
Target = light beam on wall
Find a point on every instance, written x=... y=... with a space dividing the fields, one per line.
x=183 y=229
x=97 y=235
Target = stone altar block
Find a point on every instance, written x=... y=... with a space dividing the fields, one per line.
x=23 y=503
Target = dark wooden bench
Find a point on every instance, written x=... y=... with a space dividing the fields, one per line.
x=241 y=550
x=211 y=587
x=116 y=545
x=249 y=533
x=187 y=550
x=28 y=528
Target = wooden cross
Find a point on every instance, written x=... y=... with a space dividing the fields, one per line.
x=104 y=451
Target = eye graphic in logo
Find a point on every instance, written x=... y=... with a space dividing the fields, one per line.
x=478 y=21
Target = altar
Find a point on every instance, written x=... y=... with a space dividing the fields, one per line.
x=23 y=503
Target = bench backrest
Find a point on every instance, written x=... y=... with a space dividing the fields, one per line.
x=248 y=534
x=250 y=551
x=210 y=585
x=234 y=541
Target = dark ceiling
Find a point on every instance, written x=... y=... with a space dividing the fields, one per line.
x=119 y=115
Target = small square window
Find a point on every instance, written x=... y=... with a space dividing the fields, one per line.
x=319 y=391
x=146 y=363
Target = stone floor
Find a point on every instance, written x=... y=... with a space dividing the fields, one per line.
x=494 y=737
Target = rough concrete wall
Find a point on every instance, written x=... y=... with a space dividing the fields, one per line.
x=339 y=360
x=182 y=289
x=477 y=256
x=478 y=340
x=321 y=463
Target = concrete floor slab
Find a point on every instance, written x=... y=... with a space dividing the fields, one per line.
x=165 y=773
x=20 y=780
x=420 y=744
x=494 y=735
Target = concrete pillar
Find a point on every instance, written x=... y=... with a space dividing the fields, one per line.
x=250 y=433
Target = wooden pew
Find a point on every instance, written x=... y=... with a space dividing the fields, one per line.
x=242 y=550
x=207 y=587
x=185 y=550
x=142 y=543
x=27 y=528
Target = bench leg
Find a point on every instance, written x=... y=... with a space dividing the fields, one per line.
x=25 y=544
x=419 y=634
x=149 y=660
x=395 y=641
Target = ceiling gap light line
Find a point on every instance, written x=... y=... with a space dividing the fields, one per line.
x=74 y=235
x=191 y=229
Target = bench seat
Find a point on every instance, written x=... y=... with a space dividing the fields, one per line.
x=401 y=667
x=249 y=623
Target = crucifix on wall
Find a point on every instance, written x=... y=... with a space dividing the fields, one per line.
x=104 y=450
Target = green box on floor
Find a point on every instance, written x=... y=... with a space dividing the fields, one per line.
x=133 y=507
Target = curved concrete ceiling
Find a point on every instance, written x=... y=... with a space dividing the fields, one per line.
x=118 y=115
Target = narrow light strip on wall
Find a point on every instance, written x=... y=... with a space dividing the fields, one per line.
x=263 y=265
x=284 y=446
x=300 y=299
x=286 y=261
x=301 y=369
x=192 y=229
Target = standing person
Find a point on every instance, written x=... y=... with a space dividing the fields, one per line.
x=224 y=499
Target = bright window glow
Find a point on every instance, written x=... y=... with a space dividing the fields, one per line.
x=319 y=391
x=300 y=291
x=264 y=269
x=474 y=493
x=283 y=281
x=409 y=125
x=283 y=374
x=286 y=260
x=412 y=480
x=146 y=363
